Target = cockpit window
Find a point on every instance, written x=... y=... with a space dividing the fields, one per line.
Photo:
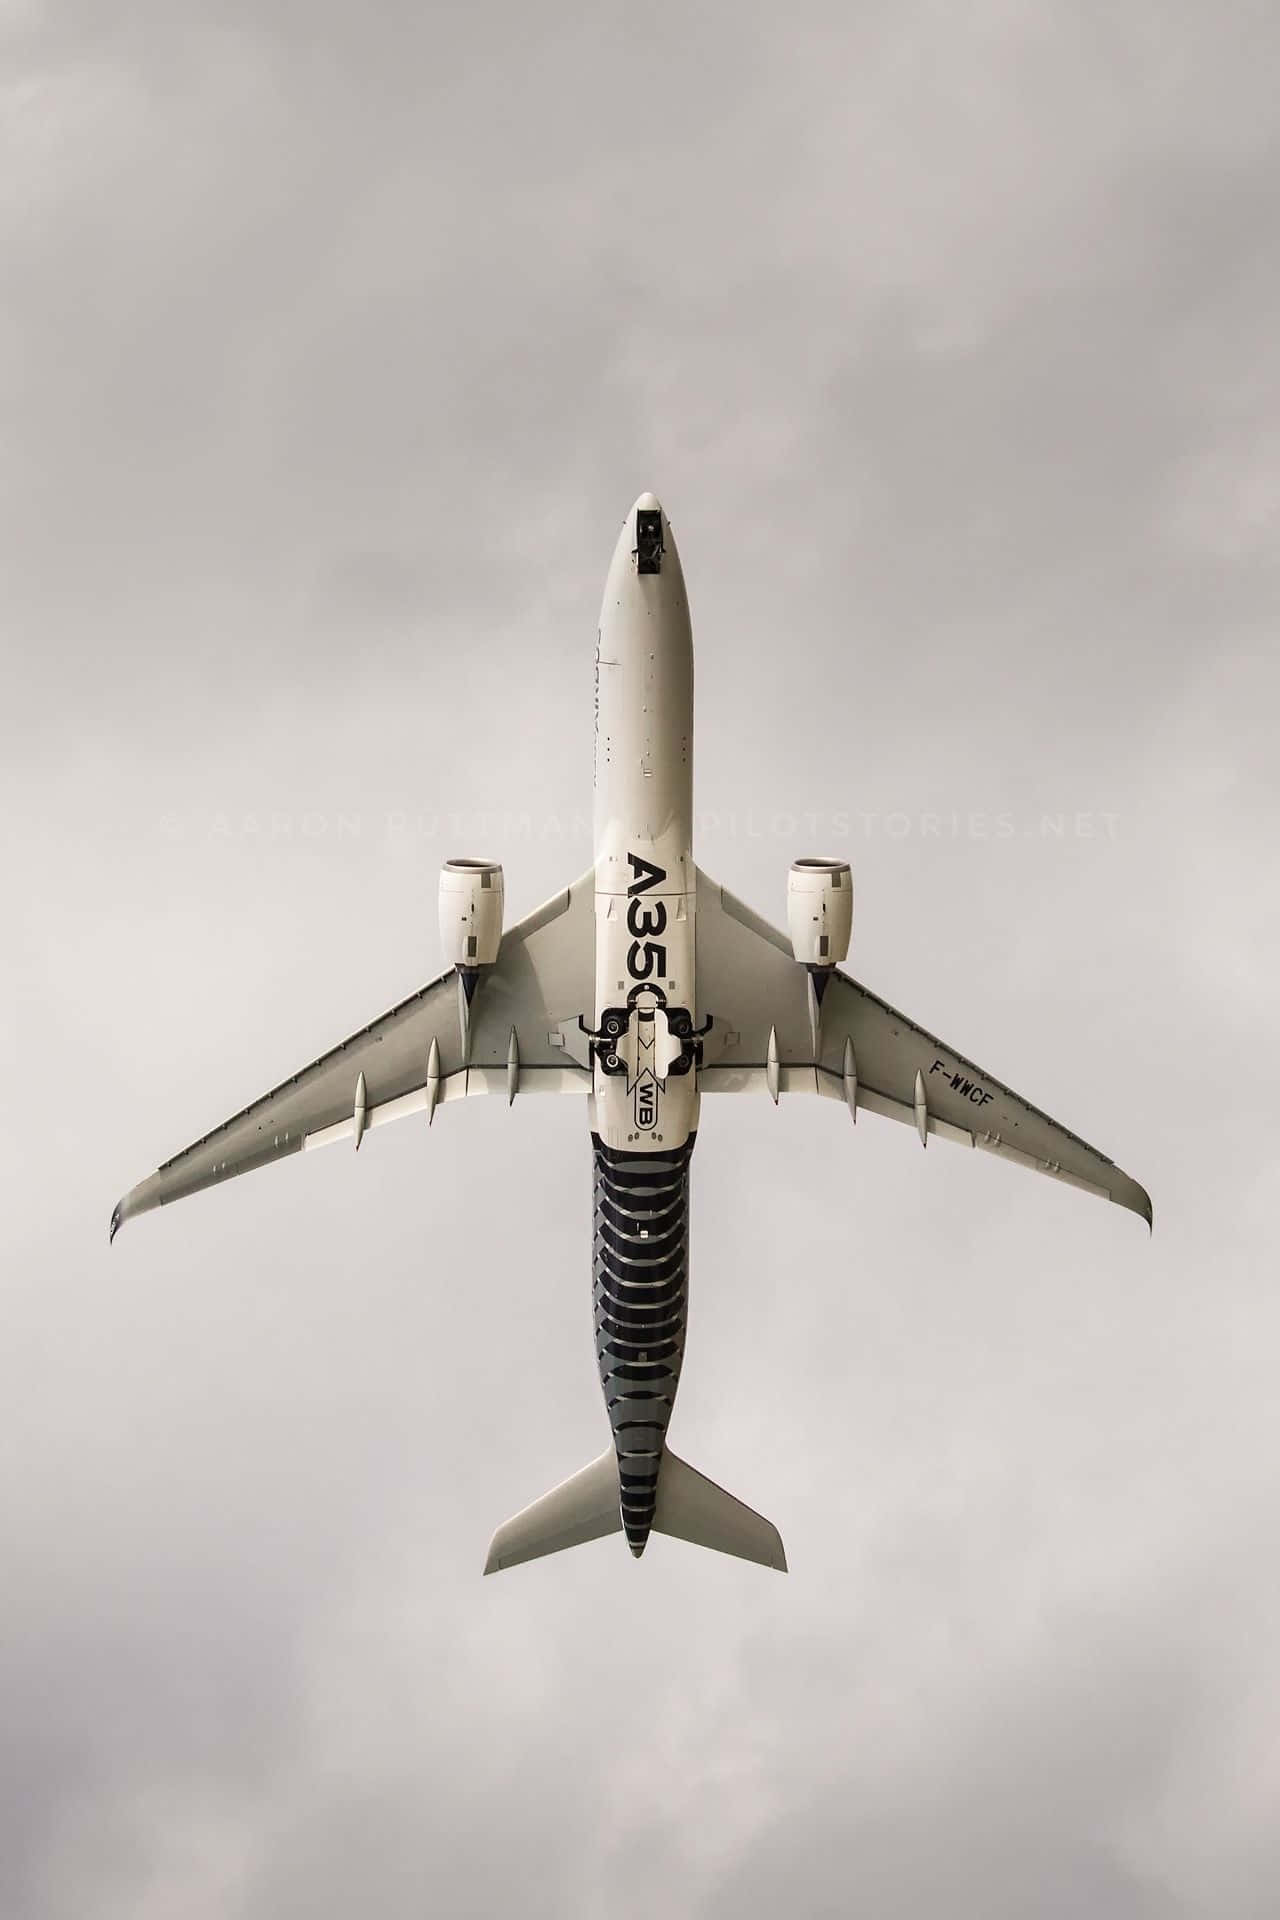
x=648 y=540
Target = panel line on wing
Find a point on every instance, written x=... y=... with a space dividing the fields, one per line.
x=295 y=1079
x=454 y=1086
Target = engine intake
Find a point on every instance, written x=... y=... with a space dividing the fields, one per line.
x=470 y=913
x=820 y=911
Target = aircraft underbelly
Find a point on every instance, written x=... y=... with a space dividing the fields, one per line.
x=645 y=1097
x=640 y=1292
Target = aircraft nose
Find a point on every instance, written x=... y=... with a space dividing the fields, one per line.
x=647 y=503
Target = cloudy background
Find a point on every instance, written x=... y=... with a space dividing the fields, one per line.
x=334 y=343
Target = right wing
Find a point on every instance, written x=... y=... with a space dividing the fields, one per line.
x=869 y=1055
x=415 y=1056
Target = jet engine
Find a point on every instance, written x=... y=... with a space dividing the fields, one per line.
x=820 y=911
x=470 y=913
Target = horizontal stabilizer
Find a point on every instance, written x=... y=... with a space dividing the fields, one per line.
x=584 y=1507
x=691 y=1507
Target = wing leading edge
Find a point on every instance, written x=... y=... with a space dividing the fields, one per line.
x=420 y=1053
x=867 y=1054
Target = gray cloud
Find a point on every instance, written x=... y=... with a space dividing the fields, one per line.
x=330 y=355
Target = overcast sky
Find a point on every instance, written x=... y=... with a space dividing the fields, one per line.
x=334 y=344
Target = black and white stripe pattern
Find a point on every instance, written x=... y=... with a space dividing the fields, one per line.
x=640 y=1259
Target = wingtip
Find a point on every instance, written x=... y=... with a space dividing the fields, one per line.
x=1143 y=1207
x=777 y=1557
x=139 y=1199
x=494 y=1561
x=1136 y=1199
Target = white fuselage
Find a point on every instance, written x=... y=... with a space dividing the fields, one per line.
x=645 y=876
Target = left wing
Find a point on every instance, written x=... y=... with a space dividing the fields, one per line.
x=768 y=1032
x=424 y=1051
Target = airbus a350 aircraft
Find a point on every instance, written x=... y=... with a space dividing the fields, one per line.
x=643 y=986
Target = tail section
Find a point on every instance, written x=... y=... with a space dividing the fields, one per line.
x=583 y=1507
x=691 y=1507
x=586 y=1507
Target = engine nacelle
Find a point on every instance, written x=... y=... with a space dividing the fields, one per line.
x=470 y=913
x=820 y=911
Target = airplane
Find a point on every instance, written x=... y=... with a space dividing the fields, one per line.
x=642 y=986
